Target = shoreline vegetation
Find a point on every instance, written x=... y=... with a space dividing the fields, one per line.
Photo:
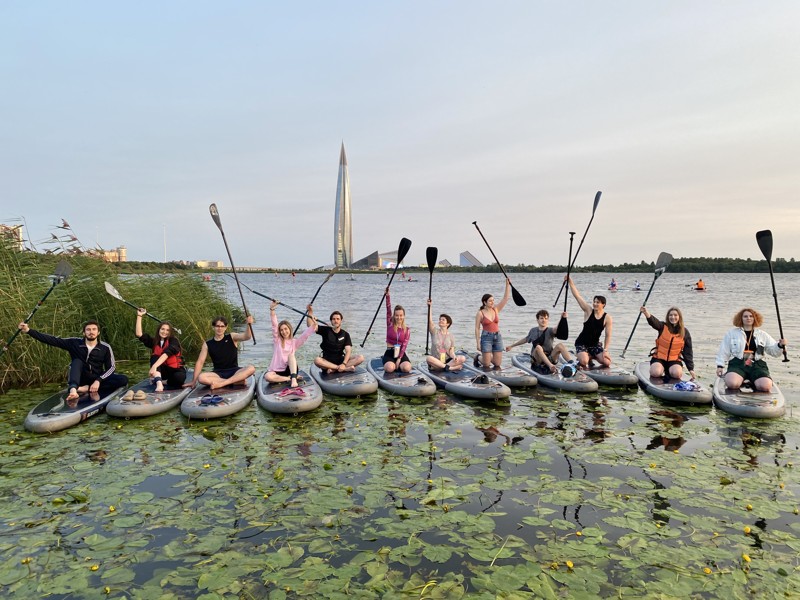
x=185 y=300
x=679 y=265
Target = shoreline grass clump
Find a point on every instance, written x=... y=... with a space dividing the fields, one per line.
x=185 y=300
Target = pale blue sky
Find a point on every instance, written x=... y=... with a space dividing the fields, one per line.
x=123 y=117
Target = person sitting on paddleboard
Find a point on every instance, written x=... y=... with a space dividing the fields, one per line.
x=613 y=284
x=397 y=338
x=336 y=344
x=487 y=330
x=596 y=320
x=700 y=285
x=166 y=361
x=674 y=342
x=744 y=348
x=92 y=369
x=443 y=347
x=637 y=286
x=223 y=350
x=283 y=366
x=544 y=351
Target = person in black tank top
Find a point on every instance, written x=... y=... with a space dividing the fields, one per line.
x=224 y=353
x=596 y=321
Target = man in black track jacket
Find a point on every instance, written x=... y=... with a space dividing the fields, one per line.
x=92 y=367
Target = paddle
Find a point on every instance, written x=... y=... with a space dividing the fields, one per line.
x=764 y=239
x=663 y=261
x=215 y=215
x=518 y=299
x=574 y=258
x=113 y=291
x=402 y=250
x=63 y=270
x=562 y=331
x=297 y=310
x=431 y=254
x=331 y=274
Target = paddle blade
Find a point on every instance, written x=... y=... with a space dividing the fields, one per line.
x=215 y=215
x=596 y=201
x=63 y=270
x=113 y=291
x=517 y=297
x=431 y=255
x=663 y=261
x=562 y=329
x=402 y=249
x=764 y=239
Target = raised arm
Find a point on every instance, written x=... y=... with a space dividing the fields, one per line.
x=506 y=296
x=140 y=312
x=311 y=320
x=243 y=337
x=431 y=325
x=577 y=295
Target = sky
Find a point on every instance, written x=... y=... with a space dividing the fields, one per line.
x=129 y=119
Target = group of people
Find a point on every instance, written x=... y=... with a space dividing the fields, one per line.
x=92 y=367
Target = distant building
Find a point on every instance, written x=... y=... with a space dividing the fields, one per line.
x=116 y=255
x=444 y=263
x=13 y=233
x=466 y=259
x=210 y=264
x=371 y=261
x=342 y=219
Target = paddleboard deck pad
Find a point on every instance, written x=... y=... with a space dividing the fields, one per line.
x=55 y=413
x=154 y=402
x=467 y=383
x=748 y=403
x=271 y=396
x=411 y=384
x=205 y=403
x=348 y=383
x=578 y=383
x=664 y=387
x=511 y=375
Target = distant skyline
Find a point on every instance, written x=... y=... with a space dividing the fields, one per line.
x=129 y=119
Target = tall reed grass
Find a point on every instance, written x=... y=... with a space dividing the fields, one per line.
x=183 y=299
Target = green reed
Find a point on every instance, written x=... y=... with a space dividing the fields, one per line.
x=183 y=299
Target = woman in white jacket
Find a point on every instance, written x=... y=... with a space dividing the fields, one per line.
x=744 y=348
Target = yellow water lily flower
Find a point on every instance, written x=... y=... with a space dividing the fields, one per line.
x=112 y=508
x=747 y=530
x=745 y=558
x=707 y=571
x=94 y=567
x=569 y=564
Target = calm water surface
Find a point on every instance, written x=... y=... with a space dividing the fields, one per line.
x=440 y=497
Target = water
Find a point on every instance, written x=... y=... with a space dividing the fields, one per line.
x=440 y=497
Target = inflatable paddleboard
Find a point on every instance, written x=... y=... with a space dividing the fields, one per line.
x=578 y=383
x=664 y=387
x=467 y=383
x=205 y=403
x=348 y=383
x=748 y=403
x=511 y=375
x=55 y=413
x=270 y=396
x=412 y=384
x=154 y=402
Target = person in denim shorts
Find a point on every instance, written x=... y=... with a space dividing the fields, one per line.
x=487 y=330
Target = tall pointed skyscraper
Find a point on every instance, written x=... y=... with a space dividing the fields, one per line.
x=342 y=222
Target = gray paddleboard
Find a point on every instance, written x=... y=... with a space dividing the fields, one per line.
x=349 y=383
x=269 y=398
x=234 y=399
x=578 y=383
x=155 y=403
x=747 y=403
x=664 y=388
x=55 y=414
x=509 y=374
x=412 y=384
x=463 y=383
x=614 y=376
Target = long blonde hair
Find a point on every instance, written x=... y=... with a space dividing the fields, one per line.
x=394 y=318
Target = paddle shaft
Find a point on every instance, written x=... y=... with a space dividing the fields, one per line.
x=298 y=311
x=402 y=249
x=300 y=322
x=569 y=266
x=580 y=245
x=30 y=316
x=518 y=299
x=663 y=261
x=562 y=329
x=777 y=310
x=431 y=254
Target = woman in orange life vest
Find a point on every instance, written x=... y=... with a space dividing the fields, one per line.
x=674 y=342
x=166 y=362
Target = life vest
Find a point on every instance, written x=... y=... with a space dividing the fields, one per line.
x=173 y=362
x=669 y=346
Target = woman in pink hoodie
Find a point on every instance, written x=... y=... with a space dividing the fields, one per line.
x=284 y=362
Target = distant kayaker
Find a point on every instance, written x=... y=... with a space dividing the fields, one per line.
x=487 y=330
x=596 y=321
x=544 y=351
x=397 y=337
x=166 y=360
x=92 y=369
x=673 y=344
x=613 y=285
x=283 y=366
x=743 y=349
x=336 y=344
x=637 y=286
x=700 y=285
x=443 y=346
x=224 y=353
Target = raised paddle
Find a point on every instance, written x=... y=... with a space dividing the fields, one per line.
x=431 y=254
x=574 y=258
x=297 y=310
x=113 y=291
x=215 y=215
x=402 y=250
x=518 y=299
x=764 y=239
x=327 y=279
x=663 y=261
x=63 y=270
x=562 y=331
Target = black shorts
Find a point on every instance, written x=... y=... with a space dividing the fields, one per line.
x=226 y=373
x=667 y=364
x=284 y=373
x=388 y=356
x=591 y=350
x=336 y=359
